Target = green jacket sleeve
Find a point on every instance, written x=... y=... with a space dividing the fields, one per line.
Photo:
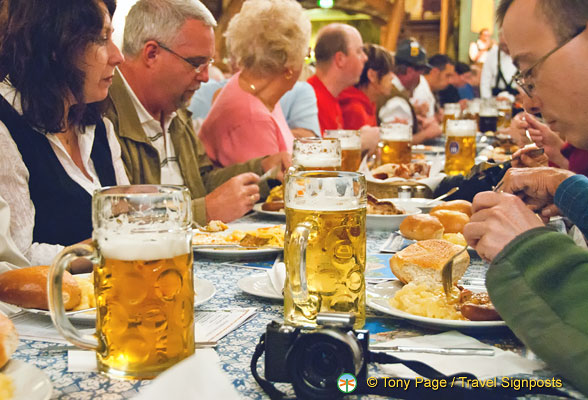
x=539 y=285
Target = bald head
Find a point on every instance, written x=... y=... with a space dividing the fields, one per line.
x=331 y=39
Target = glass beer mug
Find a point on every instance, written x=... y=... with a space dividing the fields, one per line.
x=325 y=245
x=488 y=115
x=395 y=142
x=143 y=280
x=317 y=154
x=350 y=147
x=450 y=111
x=460 y=147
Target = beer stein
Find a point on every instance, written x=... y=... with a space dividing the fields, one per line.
x=325 y=245
x=488 y=115
x=450 y=111
x=460 y=146
x=504 y=113
x=350 y=148
x=311 y=154
x=143 y=280
x=395 y=142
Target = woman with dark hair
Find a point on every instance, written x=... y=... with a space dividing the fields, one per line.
x=57 y=60
x=358 y=102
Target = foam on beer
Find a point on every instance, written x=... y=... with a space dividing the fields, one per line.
x=317 y=160
x=461 y=128
x=322 y=197
x=126 y=244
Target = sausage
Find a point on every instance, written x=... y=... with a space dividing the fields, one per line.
x=477 y=312
x=273 y=206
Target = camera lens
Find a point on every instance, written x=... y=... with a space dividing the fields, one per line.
x=321 y=364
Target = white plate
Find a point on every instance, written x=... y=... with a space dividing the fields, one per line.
x=423 y=204
x=378 y=297
x=233 y=253
x=204 y=289
x=258 y=285
x=426 y=149
x=389 y=222
x=278 y=214
x=30 y=383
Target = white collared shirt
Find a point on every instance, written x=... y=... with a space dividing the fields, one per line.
x=423 y=93
x=490 y=71
x=168 y=162
x=14 y=179
x=396 y=108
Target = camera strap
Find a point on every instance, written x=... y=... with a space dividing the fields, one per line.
x=414 y=391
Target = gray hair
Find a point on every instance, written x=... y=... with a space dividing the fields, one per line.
x=564 y=17
x=160 y=20
x=267 y=36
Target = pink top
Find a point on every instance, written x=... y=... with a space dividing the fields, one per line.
x=239 y=127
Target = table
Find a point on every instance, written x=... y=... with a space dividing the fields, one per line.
x=236 y=349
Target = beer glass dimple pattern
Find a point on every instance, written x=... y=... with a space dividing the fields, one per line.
x=325 y=246
x=311 y=154
x=460 y=146
x=395 y=142
x=143 y=280
x=350 y=148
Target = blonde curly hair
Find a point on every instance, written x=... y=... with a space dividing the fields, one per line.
x=268 y=36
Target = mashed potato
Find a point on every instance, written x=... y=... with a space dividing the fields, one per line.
x=427 y=300
x=6 y=387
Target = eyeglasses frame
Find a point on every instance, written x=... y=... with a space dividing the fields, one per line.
x=199 y=68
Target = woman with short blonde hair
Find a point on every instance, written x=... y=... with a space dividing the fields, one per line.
x=269 y=39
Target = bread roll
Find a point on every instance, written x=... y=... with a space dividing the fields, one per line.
x=8 y=339
x=423 y=261
x=27 y=287
x=421 y=227
x=453 y=221
x=463 y=206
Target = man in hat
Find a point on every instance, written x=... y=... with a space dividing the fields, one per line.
x=411 y=63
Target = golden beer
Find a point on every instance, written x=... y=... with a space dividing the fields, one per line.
x=504 y=114
x=350 y=147
x=460 y=146
x=350 y=159
x=145 y=314
x=395 y=143
x=450 y=111
x=325 y=223
x=335 y=265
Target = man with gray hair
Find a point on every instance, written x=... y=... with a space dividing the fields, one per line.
x=538 y=278
x=168 y=46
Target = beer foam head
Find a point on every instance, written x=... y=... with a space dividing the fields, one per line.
x=396 y=132
x=317 y=160
x=350 y=139
x=326 y=194
x=461 y=127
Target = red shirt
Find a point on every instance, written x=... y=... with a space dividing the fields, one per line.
x=358 y=109
x=329 y=111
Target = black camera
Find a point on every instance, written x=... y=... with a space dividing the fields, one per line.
x=313 y=359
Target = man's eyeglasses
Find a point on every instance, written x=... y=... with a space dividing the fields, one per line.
x=524 y=78
x=199 y=63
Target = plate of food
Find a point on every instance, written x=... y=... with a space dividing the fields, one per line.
x=418 y=296
x=78 y=292
x=427 y=149
x=425 y=205
x=270 y=209
x=19 y=380
x=241 y=241
x=385 y=215
x=259 y=285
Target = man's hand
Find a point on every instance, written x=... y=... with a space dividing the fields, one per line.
x=233 y=199
x=497 y=219
x=522 y=159
x=282 y=160
x=370 y=137
x=536 y=187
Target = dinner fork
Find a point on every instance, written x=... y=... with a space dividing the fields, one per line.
x=447 y=272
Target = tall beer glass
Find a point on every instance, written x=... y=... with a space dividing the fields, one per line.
x=143 y=280
x=396 y=143
x=488 y=115
x=504 y=113
x=450 y=111
x=460 y=147
x=317 y=154
x=350 y=148
x=325 y=245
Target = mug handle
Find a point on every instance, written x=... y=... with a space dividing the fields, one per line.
x=54 y=290
x=297 y=246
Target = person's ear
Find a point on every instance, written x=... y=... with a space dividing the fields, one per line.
x=339 y=59
x=372 y=76
x=150 y=52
